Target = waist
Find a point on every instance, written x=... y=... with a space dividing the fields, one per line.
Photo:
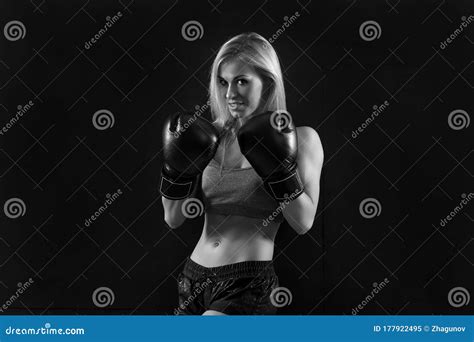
x=254 y=268
x=227 y=244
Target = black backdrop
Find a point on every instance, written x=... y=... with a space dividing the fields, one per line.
x=413 y=160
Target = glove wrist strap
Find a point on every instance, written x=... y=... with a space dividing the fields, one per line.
x=174 y=188
x=286 y=189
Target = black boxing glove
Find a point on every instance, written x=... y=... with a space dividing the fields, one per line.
x=189 y=144
x=270 y=144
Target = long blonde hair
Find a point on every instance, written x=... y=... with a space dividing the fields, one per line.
x=258 y=53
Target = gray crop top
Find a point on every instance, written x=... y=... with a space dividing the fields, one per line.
x=237 y=192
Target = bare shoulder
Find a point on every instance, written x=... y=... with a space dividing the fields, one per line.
x=309 y=141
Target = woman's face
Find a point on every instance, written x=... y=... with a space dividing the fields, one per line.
x=240 y=88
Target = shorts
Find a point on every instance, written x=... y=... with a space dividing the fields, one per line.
x=242 y=288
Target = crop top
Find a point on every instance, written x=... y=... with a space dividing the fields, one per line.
x=237 y=192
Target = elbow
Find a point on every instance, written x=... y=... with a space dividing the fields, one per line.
x=307 y=225
x=173 y=223
x=303 y=230
x=304 y=227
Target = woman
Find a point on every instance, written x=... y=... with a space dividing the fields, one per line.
x=253 y=173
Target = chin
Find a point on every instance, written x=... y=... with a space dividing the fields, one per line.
x=237 y=115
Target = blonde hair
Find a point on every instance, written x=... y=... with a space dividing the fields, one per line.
x=258 y=53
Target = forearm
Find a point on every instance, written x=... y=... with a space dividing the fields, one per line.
x=172 y=212
x=300 y=213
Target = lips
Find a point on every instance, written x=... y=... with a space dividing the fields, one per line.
x=235 y=105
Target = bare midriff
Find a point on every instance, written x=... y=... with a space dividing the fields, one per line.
x=230 y=239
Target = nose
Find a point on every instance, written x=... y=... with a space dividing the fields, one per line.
x=231 y=91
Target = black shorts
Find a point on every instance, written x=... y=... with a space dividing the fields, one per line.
x=243 y=288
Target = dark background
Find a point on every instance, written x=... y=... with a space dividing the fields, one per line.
x=142 y=69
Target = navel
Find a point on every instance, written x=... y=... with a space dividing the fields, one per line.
x=216 y=243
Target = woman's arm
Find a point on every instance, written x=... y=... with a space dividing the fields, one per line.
x=173 y=214
x=300 y=212
x=175 y=209
x=189 y=143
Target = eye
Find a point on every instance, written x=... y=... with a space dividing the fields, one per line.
x=222 y=82
x=242 y=82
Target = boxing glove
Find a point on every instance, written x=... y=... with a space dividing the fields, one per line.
x=270 y=144
x=189 y=144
